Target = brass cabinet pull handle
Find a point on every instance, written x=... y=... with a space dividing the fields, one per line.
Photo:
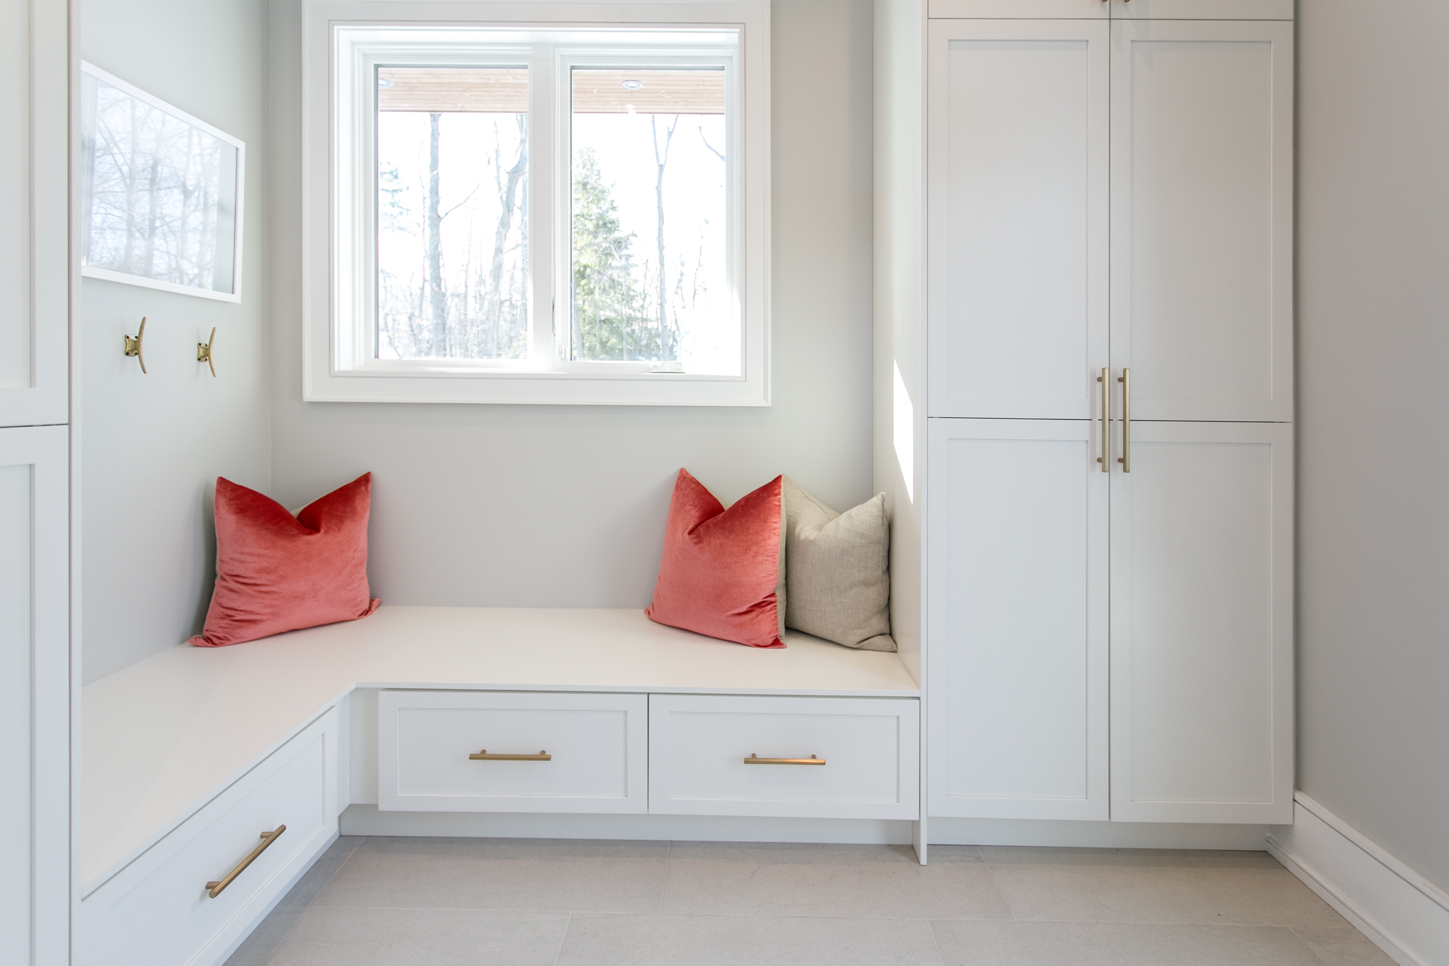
x=1126 y=458
x=1106 y=436
x=812 y=760
x=484 y=756
x=215 y=889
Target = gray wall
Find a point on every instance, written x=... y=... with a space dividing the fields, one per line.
x=1373 y=362
x=152 y=445
x=565 y=506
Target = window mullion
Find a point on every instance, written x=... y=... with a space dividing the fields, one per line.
x=548 y=319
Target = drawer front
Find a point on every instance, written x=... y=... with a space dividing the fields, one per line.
x=700 y=749
x=157 y=911
x=430 y=745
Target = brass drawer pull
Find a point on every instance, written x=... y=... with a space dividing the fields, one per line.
x=484 y=756
x=1126 y=458
x=1106 y=433
x=812 y=760
x=215 y=889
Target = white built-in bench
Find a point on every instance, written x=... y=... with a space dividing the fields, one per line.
x=190 y=756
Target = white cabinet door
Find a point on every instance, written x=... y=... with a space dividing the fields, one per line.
x=1201 y=9
x=34 y=696
x=512 y=751
x=1202 y=217
x=1202 y=624
x=1019 y=9
x=34 y=237
x=159 y=910
x=1018 y=239
x=1018 y=620
x=787 y=756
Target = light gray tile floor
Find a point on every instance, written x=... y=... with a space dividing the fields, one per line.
x=510 y=902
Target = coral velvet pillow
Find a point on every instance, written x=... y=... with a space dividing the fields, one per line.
x=722 y=571
x=276 y=572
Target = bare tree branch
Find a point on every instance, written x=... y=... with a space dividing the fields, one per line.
x=712 y=150
x=660 y=160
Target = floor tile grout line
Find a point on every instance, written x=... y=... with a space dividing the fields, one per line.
x=568 y=924
x=328 y=881
x=488 y=909
x=1129 y=922
x=697 y=915
x=1000 y=892
x=571 y=913
x=575 y=913
x=268 y=952
x=664 y=887
x=936 y=941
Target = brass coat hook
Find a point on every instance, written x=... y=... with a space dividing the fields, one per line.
x=133 y=346
x=203 y=352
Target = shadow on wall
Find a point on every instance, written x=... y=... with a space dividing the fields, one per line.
x=208 y=553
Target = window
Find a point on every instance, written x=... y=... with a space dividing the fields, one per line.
x=545 y=214
x=451 y=182
x=650 y=279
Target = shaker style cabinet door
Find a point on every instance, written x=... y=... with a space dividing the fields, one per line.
x=1020 y=9
x=1018 y=620
x=1017 y=198
x=512 y=751
x=1202 y=624
x=1202 y=217
x=34 y=685
x=34 y=234
x=1201 y=9
x=158 y=910
x=825 y=757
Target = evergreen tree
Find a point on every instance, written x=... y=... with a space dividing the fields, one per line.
x=611 y=317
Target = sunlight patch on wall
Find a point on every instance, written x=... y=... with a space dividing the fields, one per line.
x=905 y=438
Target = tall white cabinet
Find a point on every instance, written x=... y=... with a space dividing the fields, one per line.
x=1202 y=217
x=1106 y=371
x=1018 y=624
x=1201 y=603
x=35 y=660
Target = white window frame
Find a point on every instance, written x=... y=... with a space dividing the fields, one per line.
x=342 y=39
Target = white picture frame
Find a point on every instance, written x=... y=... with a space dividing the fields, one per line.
x=179 y=231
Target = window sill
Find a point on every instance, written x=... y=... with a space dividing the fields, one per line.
x=442 y=385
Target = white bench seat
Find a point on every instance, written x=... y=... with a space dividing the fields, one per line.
x=163 y=737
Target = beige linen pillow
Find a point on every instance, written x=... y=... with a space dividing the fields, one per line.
x=837 y=576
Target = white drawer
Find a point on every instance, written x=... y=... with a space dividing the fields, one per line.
x=699 y=746
x=428 y=743
x=157 y=911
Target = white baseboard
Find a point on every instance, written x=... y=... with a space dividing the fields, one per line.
x=1402 y=912
x=367 y=820
x=1096 y=835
